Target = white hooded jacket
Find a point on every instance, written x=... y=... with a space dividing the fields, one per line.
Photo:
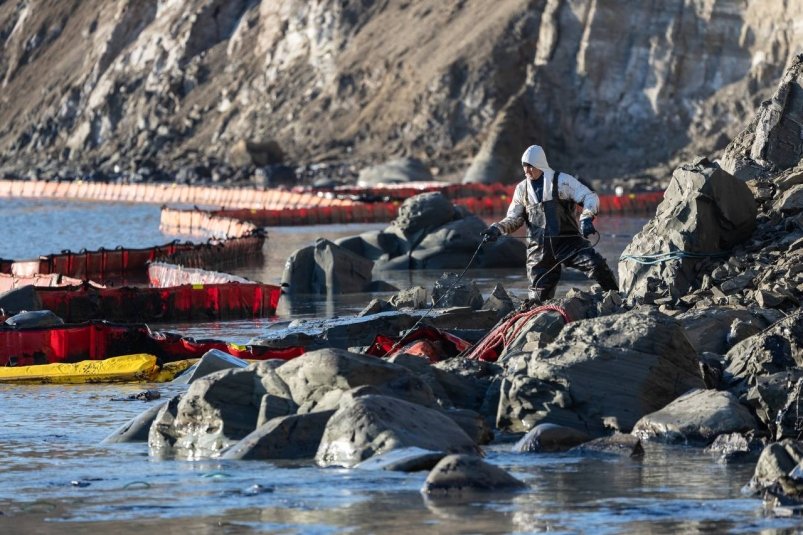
x=524 y=199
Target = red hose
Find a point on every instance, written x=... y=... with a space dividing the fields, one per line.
x=488 y=348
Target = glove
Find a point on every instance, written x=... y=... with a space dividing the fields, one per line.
x=492 y=233
x=587 y=227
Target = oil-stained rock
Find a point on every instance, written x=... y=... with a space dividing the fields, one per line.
x=368 y=425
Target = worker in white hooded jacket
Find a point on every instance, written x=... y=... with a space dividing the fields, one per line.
x=545 y=201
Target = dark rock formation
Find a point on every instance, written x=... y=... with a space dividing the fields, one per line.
x=317 y=380
x=289 y=437
x=773 y=141
x=368 y=425
x=431 y=233
x=775 y=464
x=325 y=268
x=550 y=438
x=450 y=291
x=768 y=394
x=698 y=416
x=212 y=361
x=737 y=448
x=216 y=411
x=705 y=212
x=776 y=349
x=499 y=300
x=708 y=329
x=599 y=374
x=616 y=444
x=457 y=474
x=403 y=460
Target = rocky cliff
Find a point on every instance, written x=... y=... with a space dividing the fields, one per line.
x=611 y=88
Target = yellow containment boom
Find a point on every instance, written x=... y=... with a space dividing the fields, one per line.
x=125 y=369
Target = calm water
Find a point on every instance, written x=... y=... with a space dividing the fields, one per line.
x=56 y=477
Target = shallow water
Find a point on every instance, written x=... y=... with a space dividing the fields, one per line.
x=34 y=227
x=616 y=234
x=55 y=470
x=55 y=476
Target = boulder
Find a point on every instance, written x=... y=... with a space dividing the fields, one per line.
x=602 y=373
x=272 y=406
x=421 y=214
x=452 y=246
x=368 y=425
x=161 y=433
x=465 y=318
x=296 y=436
x=773 y=140
x=438 y=381
x=431 y=233
x=332 y=372
x=403 y=460
x=550 y=438
x=326 y=269
x=698 y=416
x=450 y=291
x=616 y=444
x=768 y=394
x=711 y=366
x=398 y=171
x=272 y=384
x=736 y=447
x=499 y=301
x=137 y=428
x=742 y=330
x=791 y=200
x=775 y=463
x=217 y=411
x=457 y=474
x=376 y=245
x=708 y=328
x=776 y=349
x=705 y=211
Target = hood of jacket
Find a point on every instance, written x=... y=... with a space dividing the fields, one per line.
x=534 y=155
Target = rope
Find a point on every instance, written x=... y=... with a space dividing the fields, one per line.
x=534 y=311
x=500 y=334
x=435 y=303
x=659 y=258
x=497 y=336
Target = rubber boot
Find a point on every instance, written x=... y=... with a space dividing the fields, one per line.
x=604 y=277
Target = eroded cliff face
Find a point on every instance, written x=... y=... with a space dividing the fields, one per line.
x=611 y=88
